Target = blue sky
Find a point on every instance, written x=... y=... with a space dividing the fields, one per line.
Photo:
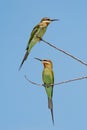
x=23 y=106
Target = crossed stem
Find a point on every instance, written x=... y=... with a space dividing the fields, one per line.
x=66 y=81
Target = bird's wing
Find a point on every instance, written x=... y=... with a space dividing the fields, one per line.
x=35 y=29
x=48 y=77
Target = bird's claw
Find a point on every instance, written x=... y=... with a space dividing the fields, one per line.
x=39 y=37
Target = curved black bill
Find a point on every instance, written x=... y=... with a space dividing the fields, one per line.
x=54 y=19
x=38 y=59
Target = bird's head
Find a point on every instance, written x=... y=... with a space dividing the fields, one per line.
x=46 y=21
x=46 y=63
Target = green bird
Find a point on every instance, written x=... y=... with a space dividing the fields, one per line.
x=37 y=33
x=48 y=79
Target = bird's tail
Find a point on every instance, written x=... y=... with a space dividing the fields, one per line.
x=25 y=57
x=50 y=106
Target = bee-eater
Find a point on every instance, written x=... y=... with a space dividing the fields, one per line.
x=37 y=33
x=48 y=79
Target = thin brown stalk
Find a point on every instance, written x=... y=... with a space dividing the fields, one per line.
x=59 y=83
x=75 y=58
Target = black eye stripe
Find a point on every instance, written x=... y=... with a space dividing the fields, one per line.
x=48 y=19
x=48 y=61
x=45 y=19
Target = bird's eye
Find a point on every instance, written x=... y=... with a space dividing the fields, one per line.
x=48 y=19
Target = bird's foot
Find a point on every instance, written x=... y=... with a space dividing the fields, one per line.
x=47 y=85
x=39 y=37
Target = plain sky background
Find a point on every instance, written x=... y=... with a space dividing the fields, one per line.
x=23 y=106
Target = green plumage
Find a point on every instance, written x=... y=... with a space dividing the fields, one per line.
x=48 y=78
x=38 y=31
